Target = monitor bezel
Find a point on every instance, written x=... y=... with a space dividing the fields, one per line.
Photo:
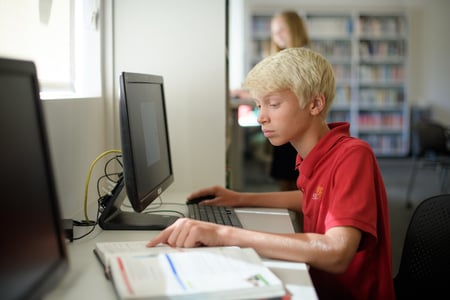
x=129 y=159
x=60 y=266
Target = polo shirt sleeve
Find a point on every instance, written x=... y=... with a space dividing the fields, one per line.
x=354 y=192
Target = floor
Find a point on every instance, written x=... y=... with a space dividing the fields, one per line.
x=396 y=176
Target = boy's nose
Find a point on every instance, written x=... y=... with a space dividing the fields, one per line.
x=261 y=117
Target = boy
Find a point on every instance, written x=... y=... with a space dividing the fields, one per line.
x=346 y=238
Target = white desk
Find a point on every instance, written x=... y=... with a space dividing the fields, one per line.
x=86 y=279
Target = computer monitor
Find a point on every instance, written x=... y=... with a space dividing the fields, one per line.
x=147 y=164
x=33 y=250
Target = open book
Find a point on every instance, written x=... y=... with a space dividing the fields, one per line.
x=163 y=272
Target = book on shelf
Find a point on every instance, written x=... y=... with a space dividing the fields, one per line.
x=163 y=272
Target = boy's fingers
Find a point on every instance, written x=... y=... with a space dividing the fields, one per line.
x=160 y=238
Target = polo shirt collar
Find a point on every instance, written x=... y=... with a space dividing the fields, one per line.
x=337 y=131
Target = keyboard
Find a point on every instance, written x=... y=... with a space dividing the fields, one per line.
x=223 y=215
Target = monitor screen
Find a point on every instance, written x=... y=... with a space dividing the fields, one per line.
x=145 y=151
x=33 y=256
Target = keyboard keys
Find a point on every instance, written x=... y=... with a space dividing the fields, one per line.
x=215 y=214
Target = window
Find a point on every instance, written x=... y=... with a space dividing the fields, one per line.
x=63 y=39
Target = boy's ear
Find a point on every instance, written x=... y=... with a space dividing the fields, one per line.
x=317 y=104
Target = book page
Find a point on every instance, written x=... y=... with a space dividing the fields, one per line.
x=106 y=249
x=122 y=247
x=227 y=270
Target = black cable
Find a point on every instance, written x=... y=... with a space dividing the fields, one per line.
x=119 y=174
x=84 y=223
x=106 y=175
x=116 y=159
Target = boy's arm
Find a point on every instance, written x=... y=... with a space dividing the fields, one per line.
x=218 y=195
x=291 y=200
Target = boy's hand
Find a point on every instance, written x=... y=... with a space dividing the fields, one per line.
x=188 y=233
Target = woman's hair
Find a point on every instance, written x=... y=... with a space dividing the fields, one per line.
x=303 y=71
x=297 y=29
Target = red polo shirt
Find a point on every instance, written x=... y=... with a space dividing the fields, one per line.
x=342 y=186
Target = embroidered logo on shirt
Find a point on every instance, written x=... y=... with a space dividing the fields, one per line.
x=318 y=193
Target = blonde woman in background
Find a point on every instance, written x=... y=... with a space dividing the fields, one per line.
x=287 y=30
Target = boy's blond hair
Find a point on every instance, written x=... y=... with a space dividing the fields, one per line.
x=305 y=72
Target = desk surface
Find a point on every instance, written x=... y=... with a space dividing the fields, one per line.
x=86 y=278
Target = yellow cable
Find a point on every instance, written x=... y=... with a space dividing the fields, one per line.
x=89 y=178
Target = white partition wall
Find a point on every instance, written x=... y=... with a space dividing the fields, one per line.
x=184 y=41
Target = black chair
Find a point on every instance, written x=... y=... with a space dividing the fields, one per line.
x=429 y=148
x=424 y=270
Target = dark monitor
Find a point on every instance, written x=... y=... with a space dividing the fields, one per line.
x=147 y=164
x=33 y=253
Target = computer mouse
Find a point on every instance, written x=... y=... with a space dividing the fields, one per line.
x=200 y=199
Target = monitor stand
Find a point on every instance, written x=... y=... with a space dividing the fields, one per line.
x=114 y=218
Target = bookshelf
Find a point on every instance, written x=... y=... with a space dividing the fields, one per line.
x=368 y=51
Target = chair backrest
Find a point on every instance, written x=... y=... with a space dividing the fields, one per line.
x=429 y=138
x=425 y=261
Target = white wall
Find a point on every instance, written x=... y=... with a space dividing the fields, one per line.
x=76 y=133
x=184 y=41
